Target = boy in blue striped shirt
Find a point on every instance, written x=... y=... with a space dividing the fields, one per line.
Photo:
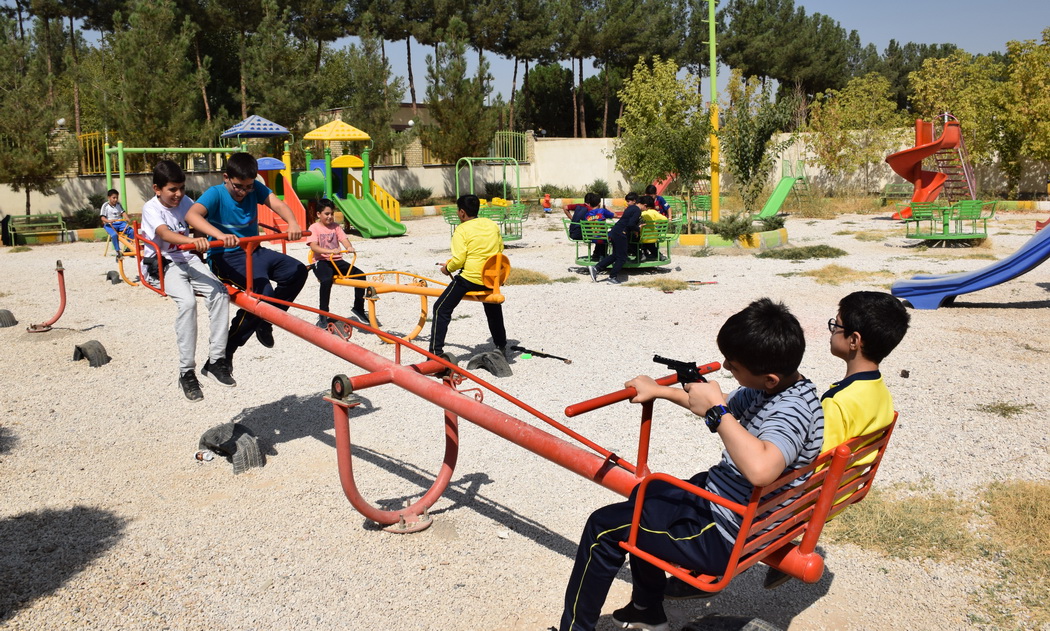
x=771 y=424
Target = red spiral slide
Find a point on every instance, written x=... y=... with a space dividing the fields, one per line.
x=908 y=163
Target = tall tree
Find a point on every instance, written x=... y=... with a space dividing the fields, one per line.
x=544 y=103
x=33 y=158
x=751 y=120
x=462 y=125
x=899 y=61
x=530 y=37
x=320 y=22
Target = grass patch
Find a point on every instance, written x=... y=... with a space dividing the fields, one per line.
x=1005 y=410
x=703 y=252
x=520 y=276
x=802 y=253
x=838 y=274
x=873 y=236
x=566 y=279
x=4 y=294
x=19 y=248
x=930 y=527
x=1026 y=346
x=663 y=284
x=1021 y=512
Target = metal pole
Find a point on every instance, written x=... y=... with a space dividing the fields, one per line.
x=715 y=189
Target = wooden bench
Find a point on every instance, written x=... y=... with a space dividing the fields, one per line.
x=900 y=190
x=837 y=479
x=37 y=228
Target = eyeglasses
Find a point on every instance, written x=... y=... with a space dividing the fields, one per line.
x=832 y=325
x=242 y=188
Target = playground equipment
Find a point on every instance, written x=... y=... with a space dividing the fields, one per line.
x=954 y=176
x=365 y=205
x=46 y=326
x=965 y=220
x=509 y=211
x=931 y=292
x=661 y=233
x=494 y=273
x=791 y=180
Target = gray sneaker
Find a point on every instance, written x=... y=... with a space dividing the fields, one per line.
x=190 y=386
x=615 y=281
x=219 y=372
x=593 y=271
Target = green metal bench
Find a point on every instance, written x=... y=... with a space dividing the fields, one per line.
x=901 y=190
x=969 y=219
x=33 y=228
x=931 y=221
x=590 y=231
x=510 y=219
x=663 y=233
x=451 y=217
x=922 y=223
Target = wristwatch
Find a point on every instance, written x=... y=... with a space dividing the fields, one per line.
x=713 y=417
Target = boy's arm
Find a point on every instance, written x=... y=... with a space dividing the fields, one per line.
x=760 y=461
x=284 y=212
x=200 y=243
x=195 y=218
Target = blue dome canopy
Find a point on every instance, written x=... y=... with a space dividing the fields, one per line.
x=255 y=127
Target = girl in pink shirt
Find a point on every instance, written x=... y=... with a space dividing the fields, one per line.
x=328 y=242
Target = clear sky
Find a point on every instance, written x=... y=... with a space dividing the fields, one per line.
x=973 y=25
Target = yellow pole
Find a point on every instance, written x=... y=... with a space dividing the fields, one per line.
x=714 y=110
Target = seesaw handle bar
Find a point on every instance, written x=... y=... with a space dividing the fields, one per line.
x=622 y=395
x=246 y=240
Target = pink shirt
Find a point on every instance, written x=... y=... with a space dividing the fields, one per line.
x=327 y=238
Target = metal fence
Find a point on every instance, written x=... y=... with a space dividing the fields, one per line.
x=510 y=144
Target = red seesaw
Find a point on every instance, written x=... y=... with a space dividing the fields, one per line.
x=783 y=538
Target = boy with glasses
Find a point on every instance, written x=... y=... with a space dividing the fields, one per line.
x=232 y=208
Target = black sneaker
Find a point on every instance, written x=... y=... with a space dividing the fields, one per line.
x=190 y=386
x=219 y=372
x=615 y=281
x=502 y=350
x=651 y=619
x=322 y=322
x=362 y=315
x=265 y=336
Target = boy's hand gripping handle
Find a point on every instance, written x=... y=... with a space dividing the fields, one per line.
x=622 y=395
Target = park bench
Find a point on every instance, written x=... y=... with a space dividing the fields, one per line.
x=28 y=228
x=894 y=191
x=837 y=479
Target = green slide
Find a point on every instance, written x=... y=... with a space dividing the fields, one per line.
x=368 y=218
x=776 y=200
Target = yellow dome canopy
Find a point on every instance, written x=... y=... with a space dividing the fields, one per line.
x=337 y=131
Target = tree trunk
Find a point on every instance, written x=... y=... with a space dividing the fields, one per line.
x=382 y=49
x=27 y=201
x=200 y=75
x=513 y=89
x=605 y=113
x=575 y=108
x=411 y=80
x=317 y=57
x=76 y=83
x=21 y=27
x=47 y=56
x=583 y=113
x=244 y=85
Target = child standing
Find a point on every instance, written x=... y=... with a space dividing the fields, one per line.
x=164 y=222
x=115 y=220
x=624 y=226
x=328 y=242
x=771 y=425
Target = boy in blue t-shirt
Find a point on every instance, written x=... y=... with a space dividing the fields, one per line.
x=771 y=425
x=230 y=210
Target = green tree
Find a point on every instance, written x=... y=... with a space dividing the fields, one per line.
x=665 y=126
x=544 y=103
x=970 y=88
x=854 y=129
x=141 y=102
x=1027 y=95
x=462 y=126
x=530 y=37
x=898 y=62
x=749 y=123
x=32 y=158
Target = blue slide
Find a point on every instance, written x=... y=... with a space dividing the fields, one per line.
x=931 y=292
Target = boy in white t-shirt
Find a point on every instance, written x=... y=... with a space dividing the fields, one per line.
x=328 y=242
x=164 y=222
x=115 y=220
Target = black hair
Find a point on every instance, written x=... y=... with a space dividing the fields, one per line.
x=630 y=197
x=765 y=338
x=166 y=172
x=650 y=190
x=323 y=203
x=592 y=199
x=111 y=192
x=880 y=319
x=470 y=204
x=647 y=200
x=242 y=166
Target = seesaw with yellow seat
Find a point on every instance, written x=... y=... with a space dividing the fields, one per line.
x=493 y=274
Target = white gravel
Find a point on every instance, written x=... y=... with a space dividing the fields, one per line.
x=108 y=522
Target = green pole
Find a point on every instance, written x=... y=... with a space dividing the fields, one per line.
x=120 y=169
x=366 y=182
x=328 y=171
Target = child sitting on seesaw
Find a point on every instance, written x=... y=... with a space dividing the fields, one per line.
x=164 y=222
x=328 y=242
x=771 y=425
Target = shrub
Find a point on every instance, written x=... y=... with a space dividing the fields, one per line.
x=802 y=253
x=558 y=191
x=599 y=186
x=495 y=189
x=414 y=195
x=776 y=222
x=732 y=227
x=87 y=216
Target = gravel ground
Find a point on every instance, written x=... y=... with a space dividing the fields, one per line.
x=108 y=522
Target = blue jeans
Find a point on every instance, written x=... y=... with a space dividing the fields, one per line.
x=114 y=228
x=288 y=274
